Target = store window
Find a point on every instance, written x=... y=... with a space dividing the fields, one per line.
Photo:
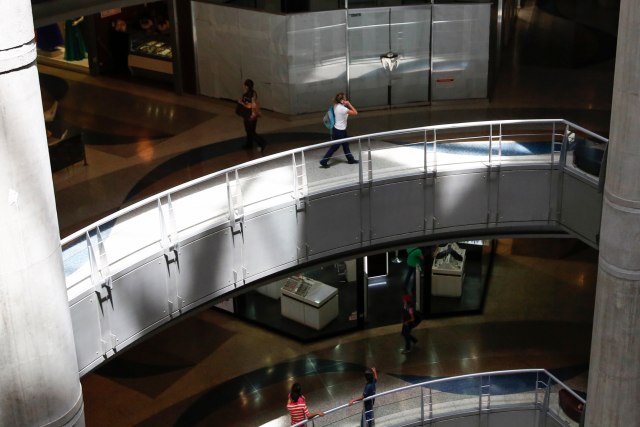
x=63 y=44
x=309 y=305
x=449 y=279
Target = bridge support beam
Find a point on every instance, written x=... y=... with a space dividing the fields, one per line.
x=614 y=372
x=39 y=382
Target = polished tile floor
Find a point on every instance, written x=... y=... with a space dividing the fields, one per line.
x=215 y=369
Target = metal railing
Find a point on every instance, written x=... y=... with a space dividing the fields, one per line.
x=158 y=223
x=534 y=390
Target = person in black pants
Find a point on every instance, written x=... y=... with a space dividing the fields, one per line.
x=250 y=114
x=408 y=322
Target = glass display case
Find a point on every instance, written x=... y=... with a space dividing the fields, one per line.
x=153 y=48
x=149 y=53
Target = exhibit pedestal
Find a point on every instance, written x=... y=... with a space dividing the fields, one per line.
x=447 y=271
x=309 y=302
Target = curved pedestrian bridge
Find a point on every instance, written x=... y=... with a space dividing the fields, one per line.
x=208 y=239
x=522 y=397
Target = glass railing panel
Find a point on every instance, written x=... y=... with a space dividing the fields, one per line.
x=571 y=417
x=132 y=237
x=339 y=173
x=527 y=142
x=397 y=154
x=459 y=147
x=585 y=153
x=75 y=257
x=400 y=408
x=201 y=206
x=508 y=390
x=452 y=396
x=265 y=184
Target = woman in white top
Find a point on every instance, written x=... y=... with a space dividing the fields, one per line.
x=342 y=109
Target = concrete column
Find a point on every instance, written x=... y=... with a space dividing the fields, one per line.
x=39 y=382
x=614 y=372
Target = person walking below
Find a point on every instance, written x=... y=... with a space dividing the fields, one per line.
x=297 y=406
x=367 y=419
x=249 y=109
x=342 y=109
x=408 y=323
x=415 y=258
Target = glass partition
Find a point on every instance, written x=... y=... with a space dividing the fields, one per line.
x=308 y=305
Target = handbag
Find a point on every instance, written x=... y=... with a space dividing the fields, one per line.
x=255 y=111
x=242 y=111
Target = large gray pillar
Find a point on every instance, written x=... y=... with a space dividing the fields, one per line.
x=39 y=382
x=614 y=372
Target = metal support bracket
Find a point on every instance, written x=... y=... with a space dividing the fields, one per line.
x=235 y=203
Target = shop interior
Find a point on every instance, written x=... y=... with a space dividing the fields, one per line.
x=328 y=300
x=129 y=42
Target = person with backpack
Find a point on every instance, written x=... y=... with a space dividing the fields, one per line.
x=342 y=109
x=409 y=321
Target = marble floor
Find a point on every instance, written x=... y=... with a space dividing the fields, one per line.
x=216 y=369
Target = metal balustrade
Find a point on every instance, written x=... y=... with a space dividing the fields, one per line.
x=500 y=398
x=94 y=250
x=150 y=262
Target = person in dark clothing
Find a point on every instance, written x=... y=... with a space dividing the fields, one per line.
x=408 y=322
x=367 y=419
x=249 y=101
x=119 y=45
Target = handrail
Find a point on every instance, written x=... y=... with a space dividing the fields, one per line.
x=82 y=232
x=440 y=381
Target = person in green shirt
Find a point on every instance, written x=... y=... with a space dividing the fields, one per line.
x=414 y=258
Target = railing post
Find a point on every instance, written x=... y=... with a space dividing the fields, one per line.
x=236 y=208
x=102 y=284
x=170 y=245
x=563 y=149
x=299 y=180
x=426 y=150
x=500 y=145
x=545 y=404
x=553 y=142
x=421 y=406
x=369 y=160
x=490 y=145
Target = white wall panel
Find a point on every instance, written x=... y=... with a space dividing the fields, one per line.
x=138 y=300
x=460 y=56
x=270 y=241
x=397 y=209
x=86 y=330
x=461 y=200
x=524 y=196
x=206 y=266
x=333 y=222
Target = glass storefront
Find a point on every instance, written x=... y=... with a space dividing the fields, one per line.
x=367 y=292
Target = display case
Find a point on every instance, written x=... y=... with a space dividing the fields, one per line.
x=447 y=270
x=151 y=53
x=309 y=302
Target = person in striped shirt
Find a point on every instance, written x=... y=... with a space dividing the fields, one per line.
x=297 y=406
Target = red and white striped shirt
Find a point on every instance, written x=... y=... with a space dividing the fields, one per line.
x=298 y=410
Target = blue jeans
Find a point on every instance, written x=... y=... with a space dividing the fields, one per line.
x=367 y=418
x=410 y=280
x=338 y=134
